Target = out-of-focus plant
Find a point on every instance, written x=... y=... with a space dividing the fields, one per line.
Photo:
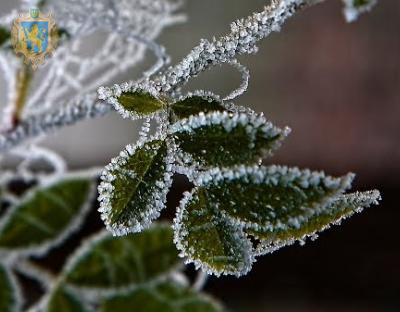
x=237 y=210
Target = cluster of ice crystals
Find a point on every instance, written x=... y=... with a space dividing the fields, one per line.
x=204 y=94
x=154 y=204
x=245 y=73
x=254 y=124
x=186 y=165
x=360 y=200
x=354 y=8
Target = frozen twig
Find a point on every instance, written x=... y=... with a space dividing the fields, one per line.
x=242 y=39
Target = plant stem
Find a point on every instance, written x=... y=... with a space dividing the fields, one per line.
x=23 y=82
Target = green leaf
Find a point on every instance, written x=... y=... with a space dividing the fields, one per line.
x=226 y=139
x=108 y=262
x=210 y=221
x=8 y=293
x=342 y=208
x=195 y=104
x=210 y=241
x=134 y=187
x=165 y=297
x=140 y=103
x=62 y=300
x=271 y=197
x=44 y=216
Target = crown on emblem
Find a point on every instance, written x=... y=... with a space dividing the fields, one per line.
x=34 y=12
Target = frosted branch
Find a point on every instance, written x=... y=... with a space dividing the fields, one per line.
x=242 y=39
x=37 y=125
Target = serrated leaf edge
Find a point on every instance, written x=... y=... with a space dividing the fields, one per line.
x=229 y=121
x=106 y=190
x=205 y=95
x=370 y=198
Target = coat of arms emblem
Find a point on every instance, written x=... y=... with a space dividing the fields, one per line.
x=35 y=36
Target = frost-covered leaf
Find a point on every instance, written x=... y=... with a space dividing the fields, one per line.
x=107 y=262
x=271 y=197
x=134 y=102
x=195 y=104
x=134 y=187
x=166 y=297
x=9 y=295
x=140 y=103
x=353 y=8
x=343 y=207
x=210 y=241
x=226 y=139
x=46 y=215
x=63 y=300
x=210 y=221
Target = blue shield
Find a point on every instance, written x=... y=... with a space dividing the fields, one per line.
x=36 y=35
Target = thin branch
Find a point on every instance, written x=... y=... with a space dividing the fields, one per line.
x=37 y=125
x=242 y=39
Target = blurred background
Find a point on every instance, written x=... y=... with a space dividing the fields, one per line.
x=337 y=85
